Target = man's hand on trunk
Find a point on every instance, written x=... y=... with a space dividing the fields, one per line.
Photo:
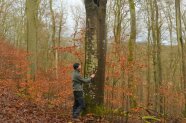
x=92 y=76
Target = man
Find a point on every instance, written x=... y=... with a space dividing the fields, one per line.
x=78 y=81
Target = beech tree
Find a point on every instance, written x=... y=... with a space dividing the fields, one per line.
x=31 y=35
x=181 y=46
x=131 y=47
x=95 y=44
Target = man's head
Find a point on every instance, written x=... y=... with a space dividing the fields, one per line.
x=77 y=66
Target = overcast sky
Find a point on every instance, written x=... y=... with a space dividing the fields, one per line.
x=68 y=6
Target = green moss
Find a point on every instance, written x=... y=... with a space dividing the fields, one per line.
x=150 y=119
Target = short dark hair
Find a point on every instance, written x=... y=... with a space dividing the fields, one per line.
x=76 y=65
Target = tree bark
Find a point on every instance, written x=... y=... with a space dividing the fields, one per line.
x=31 y=35
x=157 y=71
x=131 y=47
x=148 y=55
x=90 y=37
x=95 y=46
x=102 y=48
x=54 y=41
x=181 y=46
x=159 y=67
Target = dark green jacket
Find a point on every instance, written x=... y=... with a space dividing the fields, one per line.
x=78 y=81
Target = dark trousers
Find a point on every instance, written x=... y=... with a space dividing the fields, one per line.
x=79 y=103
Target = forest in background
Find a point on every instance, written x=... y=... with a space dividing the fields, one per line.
x=137 y=48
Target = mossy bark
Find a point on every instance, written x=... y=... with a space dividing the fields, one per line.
x=95 y=51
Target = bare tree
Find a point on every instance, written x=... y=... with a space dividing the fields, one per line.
x=32 y=37
x=181 y=46
x=131 y=46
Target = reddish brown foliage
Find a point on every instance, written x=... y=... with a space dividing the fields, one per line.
x=13 y=62
x=15 y=109
x=46 y=90
x=46 y=100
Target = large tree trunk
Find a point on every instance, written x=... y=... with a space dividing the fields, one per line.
x=54 y=41
x=102 y=48
x=159 y=67
x=95 y=46
x=31 y=35
x=131 y=46
x=181 y=46
x=131 y=102
x=148 y=93
x=91 y=61
x=91 y=37
x=156 y=35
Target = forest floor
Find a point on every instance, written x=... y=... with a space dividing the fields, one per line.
x=14 y=109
